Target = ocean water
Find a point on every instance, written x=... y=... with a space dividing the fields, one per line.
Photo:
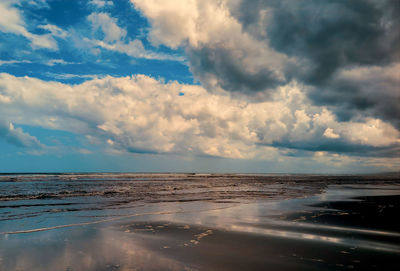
x=199 y=222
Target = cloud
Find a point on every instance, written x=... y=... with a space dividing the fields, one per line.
x=345 y=52
x=112 y=32
x=140 y=114
x=13 y=62
x=53 y=62
x=363 y=91
x=18 y=137
x=114 y=38
x=35 y=3
x=135 y=48
x=66 y=76
x=54 y=30
x=332 y=35
x=101 y=3
x=329 y=133
x=11 y=21
x=220 y=53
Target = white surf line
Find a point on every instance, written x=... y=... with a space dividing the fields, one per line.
x=111 y=219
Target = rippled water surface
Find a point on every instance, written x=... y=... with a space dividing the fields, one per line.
x=198 y=222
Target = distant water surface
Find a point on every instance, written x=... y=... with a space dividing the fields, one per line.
x=199 y=222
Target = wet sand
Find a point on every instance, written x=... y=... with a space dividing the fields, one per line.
x=199 y=222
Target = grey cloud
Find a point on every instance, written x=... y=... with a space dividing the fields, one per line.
x=335 y=34
x=372 y=92
x=327 y=34
x=338 y=146
x=326 y=38
x=223 y=65
x=17 y=136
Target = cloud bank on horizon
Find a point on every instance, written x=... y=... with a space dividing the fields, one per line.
x=288 y=81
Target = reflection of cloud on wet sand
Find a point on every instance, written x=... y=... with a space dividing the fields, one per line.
x=82 y=250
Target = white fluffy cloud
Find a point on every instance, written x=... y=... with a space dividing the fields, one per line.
x=101 y=3
x=115 y=39
x=220 y=53
x=11 y=21
x=176 y=22
x=112 y=32
x=143 y=115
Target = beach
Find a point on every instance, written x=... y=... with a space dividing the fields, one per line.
x=199 y=222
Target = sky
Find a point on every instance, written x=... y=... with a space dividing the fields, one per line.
x=263 y=86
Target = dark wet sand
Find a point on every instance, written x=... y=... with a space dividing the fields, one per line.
x=211 y=249
x=309 y=223
x=224 y=250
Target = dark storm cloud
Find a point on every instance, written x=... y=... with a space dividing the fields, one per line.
x=333 y=34
x=373 y=94
x=326 y=38
x=230 y=72
x=338 y=146
x=328 y=34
